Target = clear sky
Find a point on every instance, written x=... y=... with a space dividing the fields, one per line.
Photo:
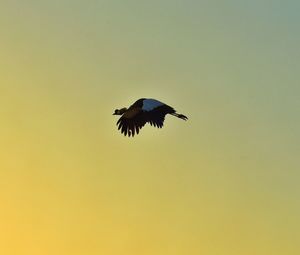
x=224 y=182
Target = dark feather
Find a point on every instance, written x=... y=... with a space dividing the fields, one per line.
x=156 y=117
x=131 y=126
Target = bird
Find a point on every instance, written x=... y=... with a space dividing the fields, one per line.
x=144 y=110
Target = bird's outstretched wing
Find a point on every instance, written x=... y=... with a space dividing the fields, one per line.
x=131 y=121
x=156 y=116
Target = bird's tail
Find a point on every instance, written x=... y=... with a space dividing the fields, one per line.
x=181 y=116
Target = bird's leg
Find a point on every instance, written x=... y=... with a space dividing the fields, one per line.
x=180 y=116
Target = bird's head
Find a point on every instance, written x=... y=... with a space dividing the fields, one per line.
x=120 y=111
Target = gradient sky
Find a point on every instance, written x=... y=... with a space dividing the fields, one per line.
x=225 y=182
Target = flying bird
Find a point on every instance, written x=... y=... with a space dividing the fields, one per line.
x=144 y=110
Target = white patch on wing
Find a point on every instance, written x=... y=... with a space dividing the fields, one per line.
x=150 y=104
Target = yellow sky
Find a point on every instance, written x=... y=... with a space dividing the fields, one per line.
x=224 y=182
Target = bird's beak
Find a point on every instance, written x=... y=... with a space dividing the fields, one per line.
x=113 y=114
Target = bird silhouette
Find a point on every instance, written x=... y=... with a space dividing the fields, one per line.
x=144 y=110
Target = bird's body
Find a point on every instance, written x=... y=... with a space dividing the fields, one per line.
x=144 y=110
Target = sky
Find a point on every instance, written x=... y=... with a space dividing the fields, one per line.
x=224 y=182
